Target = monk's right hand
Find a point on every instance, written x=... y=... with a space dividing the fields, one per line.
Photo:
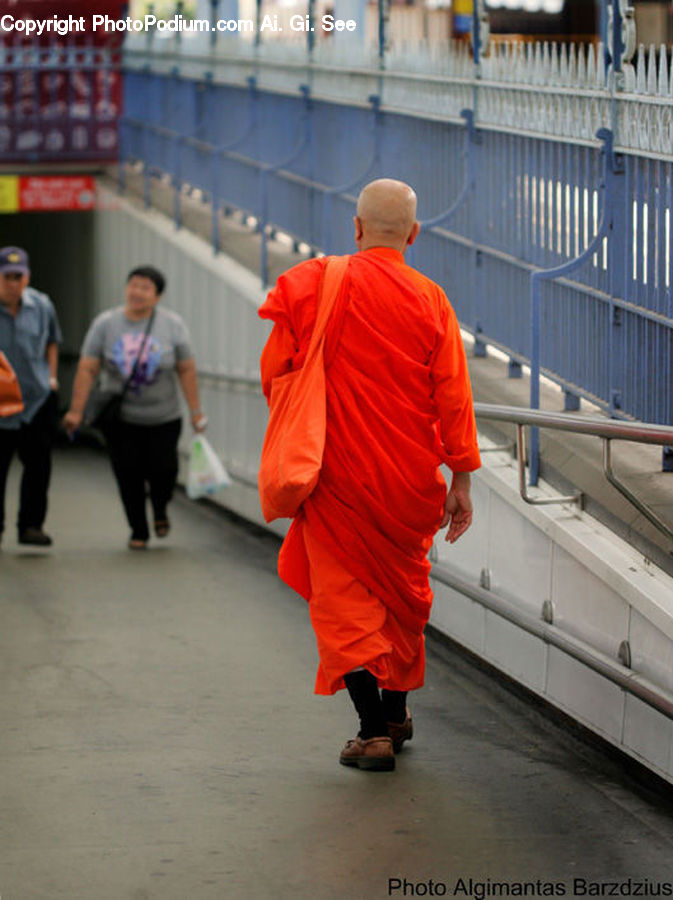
x=458 y=507
x=72 y=421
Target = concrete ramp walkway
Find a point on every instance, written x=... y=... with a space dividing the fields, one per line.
x=159 y=739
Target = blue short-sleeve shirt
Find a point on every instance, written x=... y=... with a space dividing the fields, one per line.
x=23 y=340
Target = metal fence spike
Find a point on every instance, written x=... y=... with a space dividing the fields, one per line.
x=559 y=70
x=591 y=66
x=572 y=65
x=546 y=62
x=537 y=64
x=582 y=56
x=662 y=89
x=601 y=67
x=520 y=67
x=652 y=70
x=641 y=71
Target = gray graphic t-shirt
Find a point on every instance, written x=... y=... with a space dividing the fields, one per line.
x=152 y=397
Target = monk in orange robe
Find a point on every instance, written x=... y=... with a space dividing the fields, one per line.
x=399 y=403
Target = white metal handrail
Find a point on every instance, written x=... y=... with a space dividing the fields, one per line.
x=618 y=673
x=606 y=429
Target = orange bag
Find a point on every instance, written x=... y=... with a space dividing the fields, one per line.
x=295 y=435
x=11 y=401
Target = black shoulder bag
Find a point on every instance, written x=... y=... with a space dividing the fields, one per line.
x=103 y=411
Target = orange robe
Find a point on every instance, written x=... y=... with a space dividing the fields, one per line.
x=398 y=404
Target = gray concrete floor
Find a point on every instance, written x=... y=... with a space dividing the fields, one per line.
x=160 y=738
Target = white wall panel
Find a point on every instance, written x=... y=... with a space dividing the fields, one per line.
x=648 y=733
x=458 y=616
x=585 y=694
x=521 y=655
x=520 y=557
x=586 y=607
x=651 y=651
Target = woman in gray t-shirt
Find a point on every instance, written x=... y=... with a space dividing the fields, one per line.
x=143 y=443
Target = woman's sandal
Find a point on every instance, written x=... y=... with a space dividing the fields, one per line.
x=136 y=544
x=162 y=527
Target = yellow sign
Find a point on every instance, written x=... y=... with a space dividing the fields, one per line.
x=9 y=193
x=462 y=7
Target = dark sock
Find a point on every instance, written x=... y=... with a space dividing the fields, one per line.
x=394 y=706
x=364 y=693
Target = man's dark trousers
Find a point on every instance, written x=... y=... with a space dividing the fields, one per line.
x=33 y=443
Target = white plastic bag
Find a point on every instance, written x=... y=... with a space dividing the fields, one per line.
x=205 y=473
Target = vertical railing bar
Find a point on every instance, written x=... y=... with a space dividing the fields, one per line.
x=669 y=259
x=584 y=198
x=572 y=202
x=528 y=198
x=541 y=198
x=643 y=244
x=661 y=237
x=547 y=274
x=573 y=211
x=536 y=205
x=549 y=203
x=518 y=176
x=630 y=496
x=510 y=174
x=533 y=195
x=504 y=189
x=645 y=359
x=561 y=210
x=651 y=235
x=178 y=145
x=640 y=243
x=611 y=335
x=468 y=163
x=667 y=412
x=147 y=125
x=267 y=169
x=544 y=251
x=629 y=229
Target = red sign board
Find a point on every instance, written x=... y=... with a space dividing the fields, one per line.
x=45 y=193
x=56 y=192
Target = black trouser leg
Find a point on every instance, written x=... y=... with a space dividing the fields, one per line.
x=8 y=444
x=34 y=449
x=394 y=706
x=364 y=693
x=126 y=456
x=162 y=468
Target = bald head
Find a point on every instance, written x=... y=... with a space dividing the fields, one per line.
x=386 y=215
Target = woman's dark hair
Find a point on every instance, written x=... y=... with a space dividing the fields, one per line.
x=149 y=272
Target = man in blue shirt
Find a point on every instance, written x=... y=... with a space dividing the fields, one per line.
x=29 y=337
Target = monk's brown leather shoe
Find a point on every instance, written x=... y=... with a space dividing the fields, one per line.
x=399 y=733
x=375 y=754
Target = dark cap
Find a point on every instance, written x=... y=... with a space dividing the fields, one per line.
x=14 y=259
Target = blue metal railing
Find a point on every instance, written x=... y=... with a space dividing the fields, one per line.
x=558 y=254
